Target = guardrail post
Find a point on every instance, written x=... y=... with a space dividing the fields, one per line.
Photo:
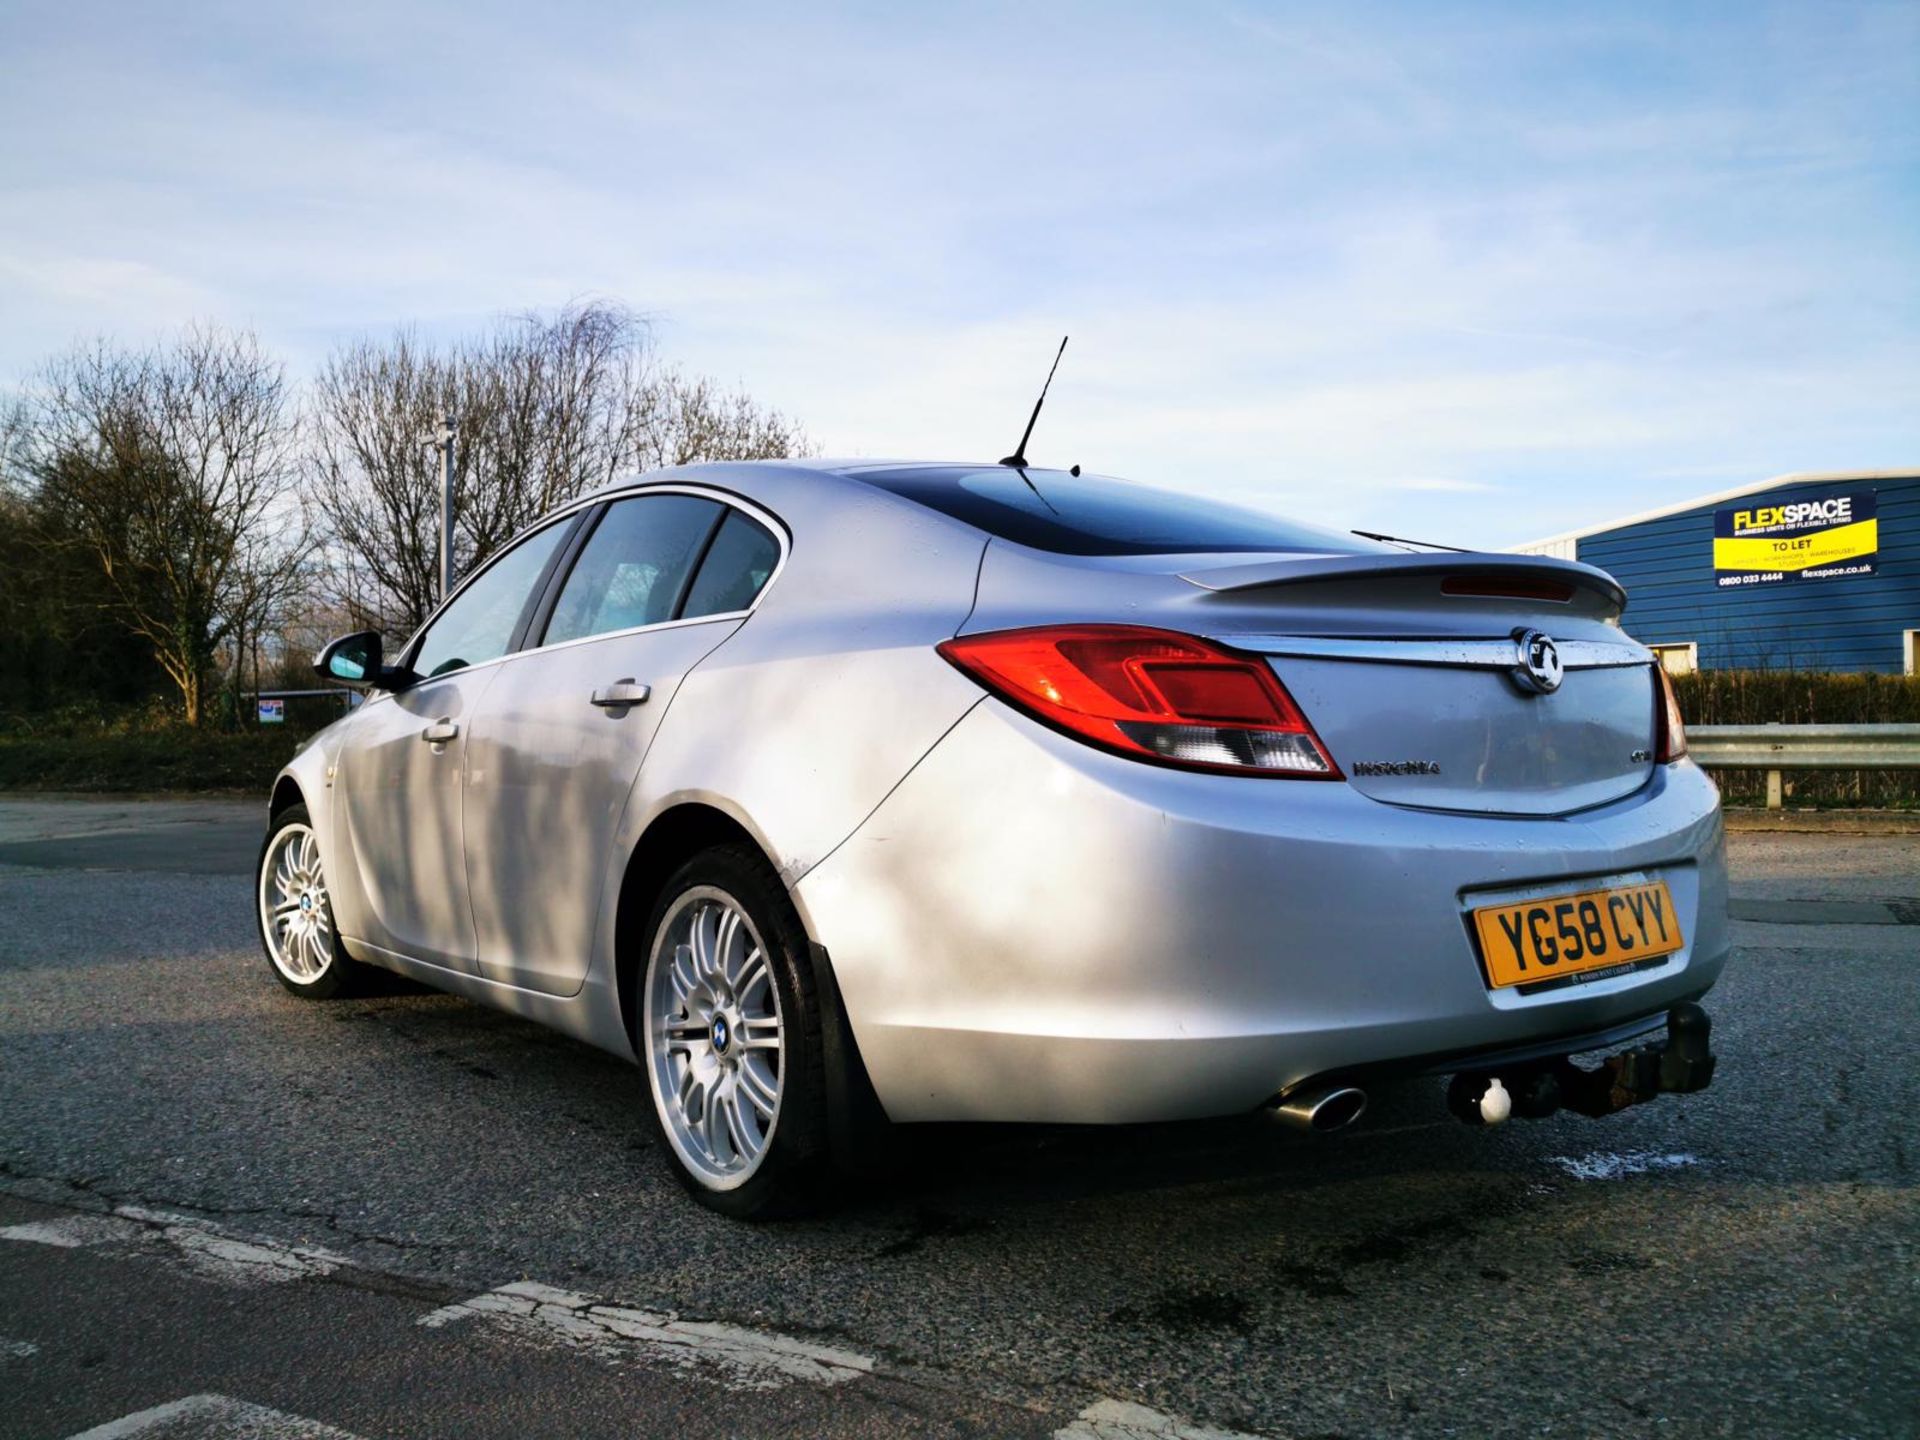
x=1775 y=797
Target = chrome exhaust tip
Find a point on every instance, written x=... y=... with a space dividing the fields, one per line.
x=1322 y=1111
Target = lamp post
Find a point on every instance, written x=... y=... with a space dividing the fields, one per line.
x=442 y=441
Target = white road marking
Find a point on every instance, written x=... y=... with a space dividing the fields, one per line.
x=17 y=1349
x=198 y=1246
x=1606 y=1165
x=213 y=1417
x=736 y=1357
x=73 y=1232
x=216 y=1256
x=1119 y=1420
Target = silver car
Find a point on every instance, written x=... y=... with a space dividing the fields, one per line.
x=836 y=794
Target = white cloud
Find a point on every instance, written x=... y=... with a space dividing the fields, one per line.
x=1439 y=485
x=1382 y=269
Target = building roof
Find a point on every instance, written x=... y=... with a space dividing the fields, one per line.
x=1799 y=477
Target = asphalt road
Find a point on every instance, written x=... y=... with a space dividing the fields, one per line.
x=263 y=1216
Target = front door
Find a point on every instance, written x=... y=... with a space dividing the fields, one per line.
x=398 y=786
x=559 y=741
x=400 y=780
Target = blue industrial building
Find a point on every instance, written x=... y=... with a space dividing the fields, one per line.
x=1806 y=572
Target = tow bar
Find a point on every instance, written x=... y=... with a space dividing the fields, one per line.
x=1681 y=1066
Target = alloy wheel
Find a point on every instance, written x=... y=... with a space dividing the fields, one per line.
x=294 y=915
x=715 y=1044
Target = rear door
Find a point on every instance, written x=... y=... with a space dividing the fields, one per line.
x=655 y=585
x=1489 y=684
x=1454 y=725
x=1412 y=668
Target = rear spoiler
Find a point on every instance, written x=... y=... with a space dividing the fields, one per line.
x=1465 y=567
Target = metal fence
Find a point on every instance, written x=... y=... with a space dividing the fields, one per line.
x=1777 y=748
x=316 y=707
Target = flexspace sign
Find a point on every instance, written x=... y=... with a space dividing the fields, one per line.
x=1823 y=539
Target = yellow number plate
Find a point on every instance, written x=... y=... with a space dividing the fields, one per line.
x=1566 y=934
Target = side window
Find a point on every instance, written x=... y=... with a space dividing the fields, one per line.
x=738 y=563
x=632 y=570
x=479 y=624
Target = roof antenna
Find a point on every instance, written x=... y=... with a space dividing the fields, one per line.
x=1018 y=459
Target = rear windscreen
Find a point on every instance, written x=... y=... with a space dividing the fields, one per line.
x=1093 y=515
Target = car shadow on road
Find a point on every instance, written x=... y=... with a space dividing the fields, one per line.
x=908 y=1167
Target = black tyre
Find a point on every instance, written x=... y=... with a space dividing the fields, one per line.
x=296 y=913
x=728 y=1031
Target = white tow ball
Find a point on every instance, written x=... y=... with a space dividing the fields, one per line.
x=1496 y=1105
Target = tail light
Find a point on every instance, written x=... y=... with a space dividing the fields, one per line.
x=1669 y=735
x=1150 y=694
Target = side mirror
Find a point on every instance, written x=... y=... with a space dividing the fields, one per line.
x=355 y=659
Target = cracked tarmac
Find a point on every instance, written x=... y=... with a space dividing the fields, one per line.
x=1737 y=1262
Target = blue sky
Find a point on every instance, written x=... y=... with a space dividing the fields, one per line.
x=1473 y=272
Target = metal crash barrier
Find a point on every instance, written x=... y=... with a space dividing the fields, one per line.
x=1774 y=748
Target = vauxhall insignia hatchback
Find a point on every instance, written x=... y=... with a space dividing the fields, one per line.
x=837 y=794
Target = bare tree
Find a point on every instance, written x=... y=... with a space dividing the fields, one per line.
x=272 y=585
x=548 y=407
x=172 y=468
x=375 y=490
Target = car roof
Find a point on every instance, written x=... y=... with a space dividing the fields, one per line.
x=858 y=468
x=868 y=474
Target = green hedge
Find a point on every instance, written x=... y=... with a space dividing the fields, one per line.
x=174 y=759
x=1792 y=697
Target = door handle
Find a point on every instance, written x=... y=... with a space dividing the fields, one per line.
x=440 y=732
x=621 y=694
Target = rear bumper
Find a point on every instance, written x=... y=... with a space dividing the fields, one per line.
x=1029 y=929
